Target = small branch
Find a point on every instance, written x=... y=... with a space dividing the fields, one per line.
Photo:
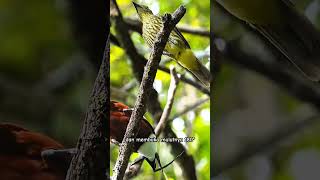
x=167 y=109
x=64 y=76
x=191 y=107
x=145 y=89
x=266 y=143
x=285 y=78
x=130 y=85
x=188 y=81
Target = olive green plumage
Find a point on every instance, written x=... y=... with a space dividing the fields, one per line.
x=177 y=47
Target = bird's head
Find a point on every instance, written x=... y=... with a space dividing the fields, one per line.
x=143 y=11
x=117 y=106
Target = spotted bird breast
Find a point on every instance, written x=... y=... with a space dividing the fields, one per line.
x=175 y=43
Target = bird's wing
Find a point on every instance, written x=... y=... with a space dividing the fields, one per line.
x=295 y=51
x=178 y=33
x=17 y=139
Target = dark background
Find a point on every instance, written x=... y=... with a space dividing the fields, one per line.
x=50 y=52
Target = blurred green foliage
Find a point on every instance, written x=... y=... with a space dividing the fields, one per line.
x=34 y=38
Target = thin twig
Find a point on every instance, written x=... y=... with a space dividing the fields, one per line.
x=193 y=83
x=167 y=109
x=191 y=107
x=285 y=78
x=130 y=85
x=144 y=91
x=64 y=76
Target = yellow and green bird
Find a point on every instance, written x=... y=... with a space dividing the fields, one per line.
x=177 y=46
x=287 y=29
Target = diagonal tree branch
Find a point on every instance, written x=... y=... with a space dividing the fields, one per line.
x=154 y=107
x=291 y=82
x=145 y=89
x=167 y=109
x=137 y=60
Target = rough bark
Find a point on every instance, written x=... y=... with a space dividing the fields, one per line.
x=91 y=160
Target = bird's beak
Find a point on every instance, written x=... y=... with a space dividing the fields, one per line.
x=136 y=5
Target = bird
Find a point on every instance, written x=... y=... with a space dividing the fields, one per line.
x=287 y=29
x=177 y=46
x=119 y=119
x=20 y=155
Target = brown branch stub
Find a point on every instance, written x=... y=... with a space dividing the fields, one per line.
x=145 y=90
x=190 y=108
x=92 y=150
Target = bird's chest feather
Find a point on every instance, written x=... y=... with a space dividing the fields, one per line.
x=172 y=46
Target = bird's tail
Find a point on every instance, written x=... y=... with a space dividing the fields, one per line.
x=203 y=74
x=298 y=40
x=189 y=61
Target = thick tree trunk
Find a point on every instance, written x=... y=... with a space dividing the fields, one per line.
x=92 y=158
